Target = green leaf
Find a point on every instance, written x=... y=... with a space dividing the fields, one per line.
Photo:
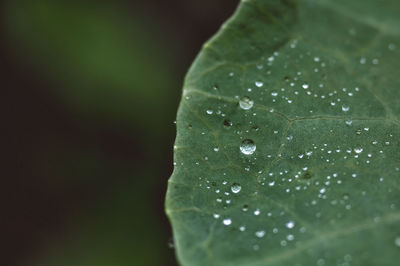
x=287 y=148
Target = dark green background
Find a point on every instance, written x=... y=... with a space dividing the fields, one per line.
x=90 y=94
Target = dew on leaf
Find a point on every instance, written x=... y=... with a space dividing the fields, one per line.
x=260 y=233
x=259 y=84
x=290 y=224
x=235 y=188
x=335 y=140
x=397 y=241
x=349 y=122
x=227 y=221
x=248 y=147
x=227 y=123
x=246 y=103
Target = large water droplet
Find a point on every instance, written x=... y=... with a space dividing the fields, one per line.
x=358 y=150
x=236 y=188
x=248 y=147
x=246 y=103
x=227 y=221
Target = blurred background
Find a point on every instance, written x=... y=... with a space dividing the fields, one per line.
x=91 y=89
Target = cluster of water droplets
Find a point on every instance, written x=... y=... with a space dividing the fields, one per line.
x=316 y=173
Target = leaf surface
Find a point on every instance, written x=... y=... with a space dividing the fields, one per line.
x=287 y=148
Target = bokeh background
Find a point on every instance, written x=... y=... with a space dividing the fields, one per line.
x=90 y=92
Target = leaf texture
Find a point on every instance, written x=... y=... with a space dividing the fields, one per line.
x=287 y=147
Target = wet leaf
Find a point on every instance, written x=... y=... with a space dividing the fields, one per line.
x=287 y=149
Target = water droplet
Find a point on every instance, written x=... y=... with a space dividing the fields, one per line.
x=246 y=103
x=210 y=112
x=290 y=224
x=260 y=233
x=358 y=150
x=257 y=212
x=392 y=46
x=397 y=241
x=248 y=147
x=236 y=188
x=227 y=221
x=305 y=86
x=227 y=123
x=349 y=122
x=345 y=108
x=259 y=84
